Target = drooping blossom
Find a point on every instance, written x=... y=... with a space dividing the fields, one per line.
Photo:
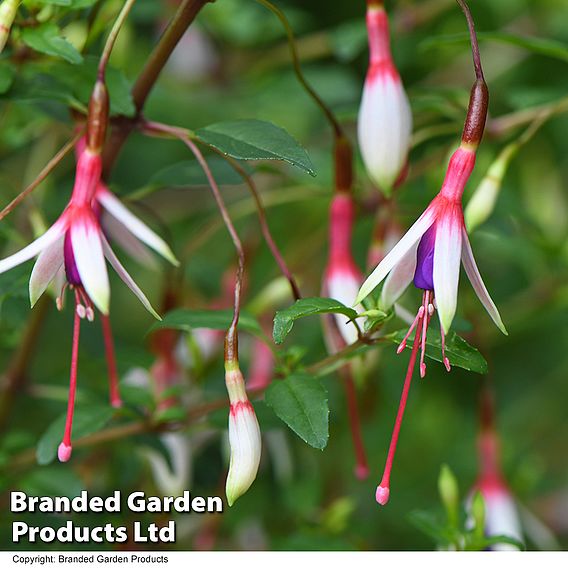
x=8 y=10
x=244 y=436
x=73 y=251
x=385 y=121
x=501 y=515
x=430 y=253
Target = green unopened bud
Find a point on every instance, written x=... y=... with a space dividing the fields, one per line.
x=478 y=514
x=8 y=10
x=482 y=204
x=449 y=493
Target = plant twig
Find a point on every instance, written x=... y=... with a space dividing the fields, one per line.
x=184 y=16
x=50 y=166
x=111 y=39
x=264 y=223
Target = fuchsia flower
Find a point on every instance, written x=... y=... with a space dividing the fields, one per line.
x=342 y=277
x=75 y=248
x=429 y=254
x=501 y=516
x=244 y=436
x=385 y=120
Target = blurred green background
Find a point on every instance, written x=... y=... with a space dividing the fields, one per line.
x=234 y=63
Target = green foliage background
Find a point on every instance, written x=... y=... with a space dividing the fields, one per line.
x=303 y=498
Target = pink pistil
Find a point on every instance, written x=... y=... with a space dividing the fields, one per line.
x=383 y=490
x=64 y=450
x=115 y=399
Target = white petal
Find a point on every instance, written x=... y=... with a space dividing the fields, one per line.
x=475 y=278
x=501 y=518
x=116 y=231
x=447 y=253
x=245 y=442
x=384 y=128
x=90 y=261
x=34 y=248
x=343 y=287
x=411 y=237
x=113 y=205
x=127 y=279
x=399 y=278
x=47 y=265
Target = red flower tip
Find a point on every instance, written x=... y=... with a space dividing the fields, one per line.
x=382 y=495
x=64 y=452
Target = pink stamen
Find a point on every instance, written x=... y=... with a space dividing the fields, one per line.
x=425 y=321
x=383 y=490
x=402 y=345
x=361 y=467
x=64 y=450
x=115 y=399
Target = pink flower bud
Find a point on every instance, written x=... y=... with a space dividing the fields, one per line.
x=385 y=119
x=244 y=437
x=342 y=277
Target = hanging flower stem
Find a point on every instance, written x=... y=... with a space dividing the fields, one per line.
x=277 y=255
x=50 y=166
x=111 y=39
x=231 y=342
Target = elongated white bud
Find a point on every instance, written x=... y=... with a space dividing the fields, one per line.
x=385 y=120
x=8 y=10
x=244 y=437
x=483 y=201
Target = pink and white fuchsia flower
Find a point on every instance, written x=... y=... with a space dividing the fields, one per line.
x=342 y=278
x=430 y=253
x=385 y=120
x=73 y=251
x=501 y=515
x=244 y=436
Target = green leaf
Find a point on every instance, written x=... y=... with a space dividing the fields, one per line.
x=284 y=319
x=458 y=350
x=189 y=172
x=7 y=74
x=46 y=39
x=301 y=402
x=187 y=320
x=87 y=419
x=256 y=140
x=540 y=46
x=428 y=524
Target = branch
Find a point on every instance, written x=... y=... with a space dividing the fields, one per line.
x=41 y=176
x=186 y=13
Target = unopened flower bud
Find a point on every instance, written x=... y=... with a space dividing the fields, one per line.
x=244 y=436
x=342 y=278
x=483 y=201
x=8 y=10
x=385 y=119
